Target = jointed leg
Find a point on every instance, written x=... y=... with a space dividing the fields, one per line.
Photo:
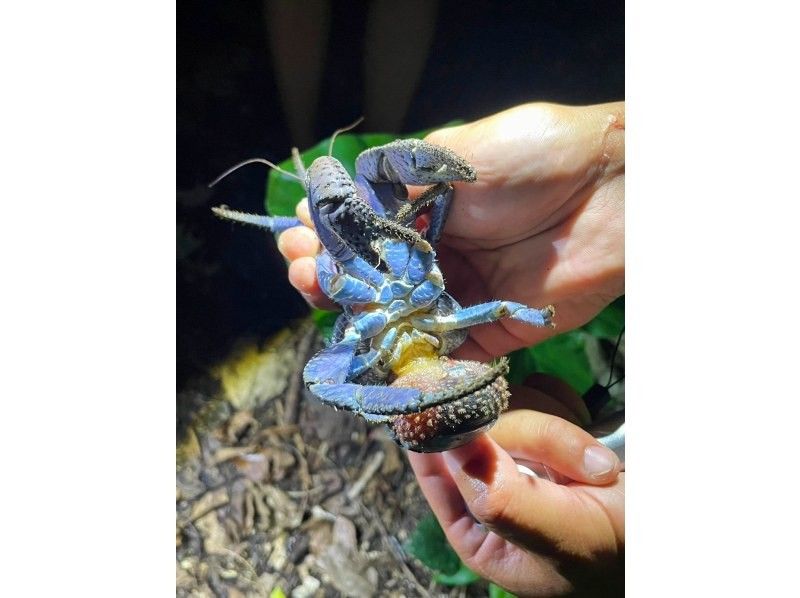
x=275 y=224
x=485 y=313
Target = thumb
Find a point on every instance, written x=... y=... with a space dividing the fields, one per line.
x=541 y=438
x=529 y=512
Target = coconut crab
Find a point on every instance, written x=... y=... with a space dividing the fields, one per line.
x=387 y=360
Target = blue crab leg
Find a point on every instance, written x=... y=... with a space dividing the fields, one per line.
x=483 y=314
x=276 y=224
x=339 y=327
x=406 y=262
x=373 y=402
x=349 y=290
x=366 y=361
x=369 y=400
x=429 y=290
x=332 y=364
x=439 y=212
x=326 y=372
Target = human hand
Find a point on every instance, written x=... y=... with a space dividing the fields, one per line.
x=532 y=536
x=543 y=224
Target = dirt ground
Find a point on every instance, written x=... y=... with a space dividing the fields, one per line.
x=276 y=490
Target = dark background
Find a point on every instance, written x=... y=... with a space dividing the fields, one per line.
x=483 y=57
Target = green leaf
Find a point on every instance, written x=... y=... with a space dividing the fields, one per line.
x=521 y=365
x=498 y=592
x=373 y=139
x=324 y=320
x=564 y=356
x=463 y=577
x=429 y=544
x=609 y=322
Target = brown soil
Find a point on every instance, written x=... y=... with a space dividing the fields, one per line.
x=276 y=490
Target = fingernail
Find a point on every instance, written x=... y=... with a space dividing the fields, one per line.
x=598 y=461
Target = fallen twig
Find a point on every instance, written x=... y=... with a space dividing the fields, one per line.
x=366 y=475
x=388 y=543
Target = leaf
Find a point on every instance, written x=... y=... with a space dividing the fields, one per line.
x=277 y=592
x=429 y=545
x=498 y=592
x=324 y=321
x=564 y=356
x=521 y=365
x=463 y=577
x=609 y=322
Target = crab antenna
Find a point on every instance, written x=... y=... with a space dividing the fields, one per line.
x=343 y=130
x=253 y=161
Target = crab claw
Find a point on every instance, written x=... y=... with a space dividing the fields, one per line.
x=413 y=162
x=440 y=164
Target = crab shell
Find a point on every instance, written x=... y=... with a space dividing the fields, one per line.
x=471 y=410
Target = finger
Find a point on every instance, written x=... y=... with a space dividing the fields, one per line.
x=446 y=502
x=297 y=242
x=303 y=277
x=541 y=438
x=450 y=137
x=544 y=517
x=303 y=213
x=474 y=543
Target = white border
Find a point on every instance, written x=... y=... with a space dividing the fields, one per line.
x=87 y=246
x=88 y=315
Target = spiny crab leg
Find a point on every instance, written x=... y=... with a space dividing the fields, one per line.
x=484 y=314
x=326 y=373
x=366 y=361
x=346 y=289
x=438 y=198
x=275 y=224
